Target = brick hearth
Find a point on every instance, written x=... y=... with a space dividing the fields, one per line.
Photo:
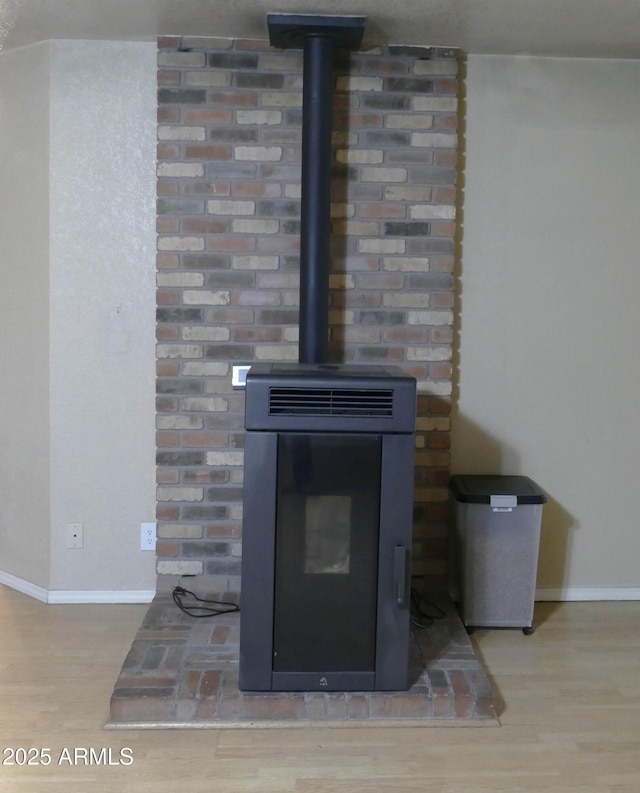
x=183 y=672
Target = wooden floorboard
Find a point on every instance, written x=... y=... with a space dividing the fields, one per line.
x=568 y=702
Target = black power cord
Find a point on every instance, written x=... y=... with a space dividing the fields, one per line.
x=210 y=608
x=419 y=618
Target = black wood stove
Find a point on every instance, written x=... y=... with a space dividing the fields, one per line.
x=328 y=472
x=328 y=510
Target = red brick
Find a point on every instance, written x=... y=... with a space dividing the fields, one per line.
x=166 y=404
x=272 y=708
x=357 y=707
x=464 y=707
x=252 y=45
x=166 y=548
x=204 y=439
x=168 y=151
x=443 y=229
x=442 y=706
x=166 y=188
x=446 y=121
x=168 y=115
x=439 y=440
x=167 y=261
x=256 y=190
x=167 y=439
x=166 y=476
x=209 y=692
x=442 y=335
x=165 y=512
x=440 y=371
x=442 y=300
x=167 y=297
x=459 y=683
x=169 y=42
x=355 y=120
x=407 y=335
x=256 y=334
x=167 y=368
x=220 y=634
x=208 y=115
x=417 y=370
x=239 y=244
x=446 y=157
x=380 y=281
x=210 y=684
x=168 y=77
x=444 y=194
x=168 y=333
x=349 y=334
x=438 y=406
x=223 y=531
x=208 y=152
x=398 y=706
x=235 y=98
x=446 y=85
x=167 y=225
x=205 y=225
x=438 y=476
x=442 y=264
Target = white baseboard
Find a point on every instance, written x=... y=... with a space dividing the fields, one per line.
x=26 y=587
x=588 y=593
x=568 y=594
x=64 y=596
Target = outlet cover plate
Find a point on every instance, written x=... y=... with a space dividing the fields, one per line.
x=239 y=374
x=147 y=536
x=75 y=535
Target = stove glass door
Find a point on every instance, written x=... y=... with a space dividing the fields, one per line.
x=327 y=527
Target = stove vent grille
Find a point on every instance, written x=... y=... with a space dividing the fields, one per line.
x=291 y=401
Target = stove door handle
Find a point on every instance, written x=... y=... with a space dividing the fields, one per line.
x=400 y=566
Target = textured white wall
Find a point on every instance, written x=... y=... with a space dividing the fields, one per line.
x=24 y=314
x=103 y=109
x=549 y=322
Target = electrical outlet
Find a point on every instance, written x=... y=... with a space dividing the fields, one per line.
x=75 y=535
x=147 y=536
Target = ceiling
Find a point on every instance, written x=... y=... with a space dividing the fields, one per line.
x=566 y=28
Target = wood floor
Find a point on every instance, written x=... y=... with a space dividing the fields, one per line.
x=569 y=705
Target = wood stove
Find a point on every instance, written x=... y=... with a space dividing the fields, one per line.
x=328 y=464
x=328 y=510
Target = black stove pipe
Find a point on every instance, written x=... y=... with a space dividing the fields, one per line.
x=315 y=206
x=318 y=36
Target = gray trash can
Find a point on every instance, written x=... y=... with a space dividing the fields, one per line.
x=497 y=534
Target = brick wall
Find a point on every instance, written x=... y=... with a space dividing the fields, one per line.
x=228 y=223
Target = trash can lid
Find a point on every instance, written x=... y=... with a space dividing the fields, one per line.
x=479 y=488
